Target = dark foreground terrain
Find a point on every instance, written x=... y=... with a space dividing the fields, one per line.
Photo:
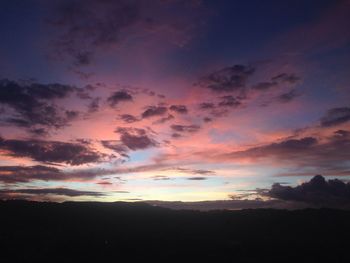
x=122 y=232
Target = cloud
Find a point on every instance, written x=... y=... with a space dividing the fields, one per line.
x=161 y=178
x=197 y=178
x=182 y=109
x=25 y=174
x=137 y=142
x=153 y=111
x=119 y=96
x=206 y=105
x=40 y=132
x=185 y=128
x=176 y=135
x=51 y=191
x=262 y=86
x=84 y=28
x=128 y=118
x=94 y=105
x=136 y=139
x=50 y=151
x=83 y=58
x=236 y=80
x=283 y=78
x=287 y=147
x=71 y=114
x=14 y=174
x=193 y=171
x=116 y=146
x=286 y=77
x=230 y=101
x=308 y=152
x=98 y=23
x=316 y=191
x=288 y=96
x=335 y=117
x=229 y=79
x=164 y=119
x=31 y=104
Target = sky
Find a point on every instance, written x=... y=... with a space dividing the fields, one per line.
x=174 y=100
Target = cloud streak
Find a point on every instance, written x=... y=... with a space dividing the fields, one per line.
x=51 y=151
x=52 y=191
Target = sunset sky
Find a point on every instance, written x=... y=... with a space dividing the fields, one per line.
x=171 y=100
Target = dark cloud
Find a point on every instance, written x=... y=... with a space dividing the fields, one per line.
x=40 y=132
x=287 y=147
x=229 y=101
x=336 y=116
x=39 y=91
x=83 y=28
x=136 y=139
x=84 y=93
x=25 y=174
x=17 y=95
x=164 y=119
x=83 y=75
x=193 y=171
x=316 y=191
x=235 y=80
x=182 y=109
x=119 y=96
x=197 y=178
x=128 y=118
x=153 y=111
x=89 y=25
x=52 y=191
x=137 y=142
x=71 y=114
x=176 y=135
x=148 y=92
x=50 y=151
x=185 y=128
x=229 y=79
x=206 y=105
x=116 y=146
x=262 y=86
x=33 y=104
x=83 y=58
x=309 y=152
x=286 y=77
x=94 y=105
x=288 y=96
x=15 y=174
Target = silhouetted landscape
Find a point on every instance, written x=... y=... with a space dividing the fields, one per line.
x=101 y=232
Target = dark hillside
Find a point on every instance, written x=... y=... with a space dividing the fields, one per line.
x=109 y=231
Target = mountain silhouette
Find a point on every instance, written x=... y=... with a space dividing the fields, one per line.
x=108 y=232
